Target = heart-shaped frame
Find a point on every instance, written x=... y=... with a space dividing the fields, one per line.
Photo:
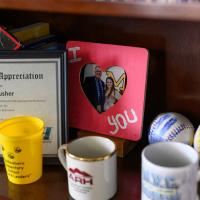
x=103 y=89
x=124 y=118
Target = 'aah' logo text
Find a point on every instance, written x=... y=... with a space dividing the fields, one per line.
x=80 y=177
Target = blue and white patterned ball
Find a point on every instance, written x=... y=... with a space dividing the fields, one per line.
x=171 y=127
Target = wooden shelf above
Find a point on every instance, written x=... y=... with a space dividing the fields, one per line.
x=180 y=12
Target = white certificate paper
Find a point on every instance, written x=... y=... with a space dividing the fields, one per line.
x=32 y=87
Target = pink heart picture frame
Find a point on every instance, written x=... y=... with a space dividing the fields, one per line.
x=93 y=70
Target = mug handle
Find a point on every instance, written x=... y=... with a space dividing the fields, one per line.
x=62 y=155
x=198 y=175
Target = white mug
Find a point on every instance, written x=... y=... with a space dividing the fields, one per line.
x=169 y=172
x=91 y=166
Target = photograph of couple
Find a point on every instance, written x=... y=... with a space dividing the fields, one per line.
x=101 y=88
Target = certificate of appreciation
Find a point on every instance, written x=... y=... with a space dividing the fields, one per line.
x=33 y=83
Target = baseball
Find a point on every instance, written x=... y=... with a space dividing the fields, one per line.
x=171 y=127
x=197 y=140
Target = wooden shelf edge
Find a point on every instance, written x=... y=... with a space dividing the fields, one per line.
x=181 y=12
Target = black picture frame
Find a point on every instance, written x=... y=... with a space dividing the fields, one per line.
x=43 y=58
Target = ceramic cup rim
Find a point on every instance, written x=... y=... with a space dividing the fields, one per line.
x=91 y=159
x=170 y=168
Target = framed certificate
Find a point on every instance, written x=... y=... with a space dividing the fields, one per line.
x=34 y=83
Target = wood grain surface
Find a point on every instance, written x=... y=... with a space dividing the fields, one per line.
x=53 y=184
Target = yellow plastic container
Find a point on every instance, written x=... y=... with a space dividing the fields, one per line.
x=21 y=140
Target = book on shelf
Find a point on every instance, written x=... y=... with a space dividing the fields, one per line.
x=37 y=43
x=32 y=31
x=50 y=46
x=7 y=41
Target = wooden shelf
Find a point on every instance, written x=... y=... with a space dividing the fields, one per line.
x=181 y=11
x=53 y=184
x=171 y=34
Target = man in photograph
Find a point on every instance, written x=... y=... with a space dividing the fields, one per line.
x=94 y=89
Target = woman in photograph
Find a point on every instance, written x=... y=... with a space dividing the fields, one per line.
x=111 y=94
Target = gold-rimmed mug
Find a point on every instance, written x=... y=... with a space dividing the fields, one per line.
x=91 y=167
